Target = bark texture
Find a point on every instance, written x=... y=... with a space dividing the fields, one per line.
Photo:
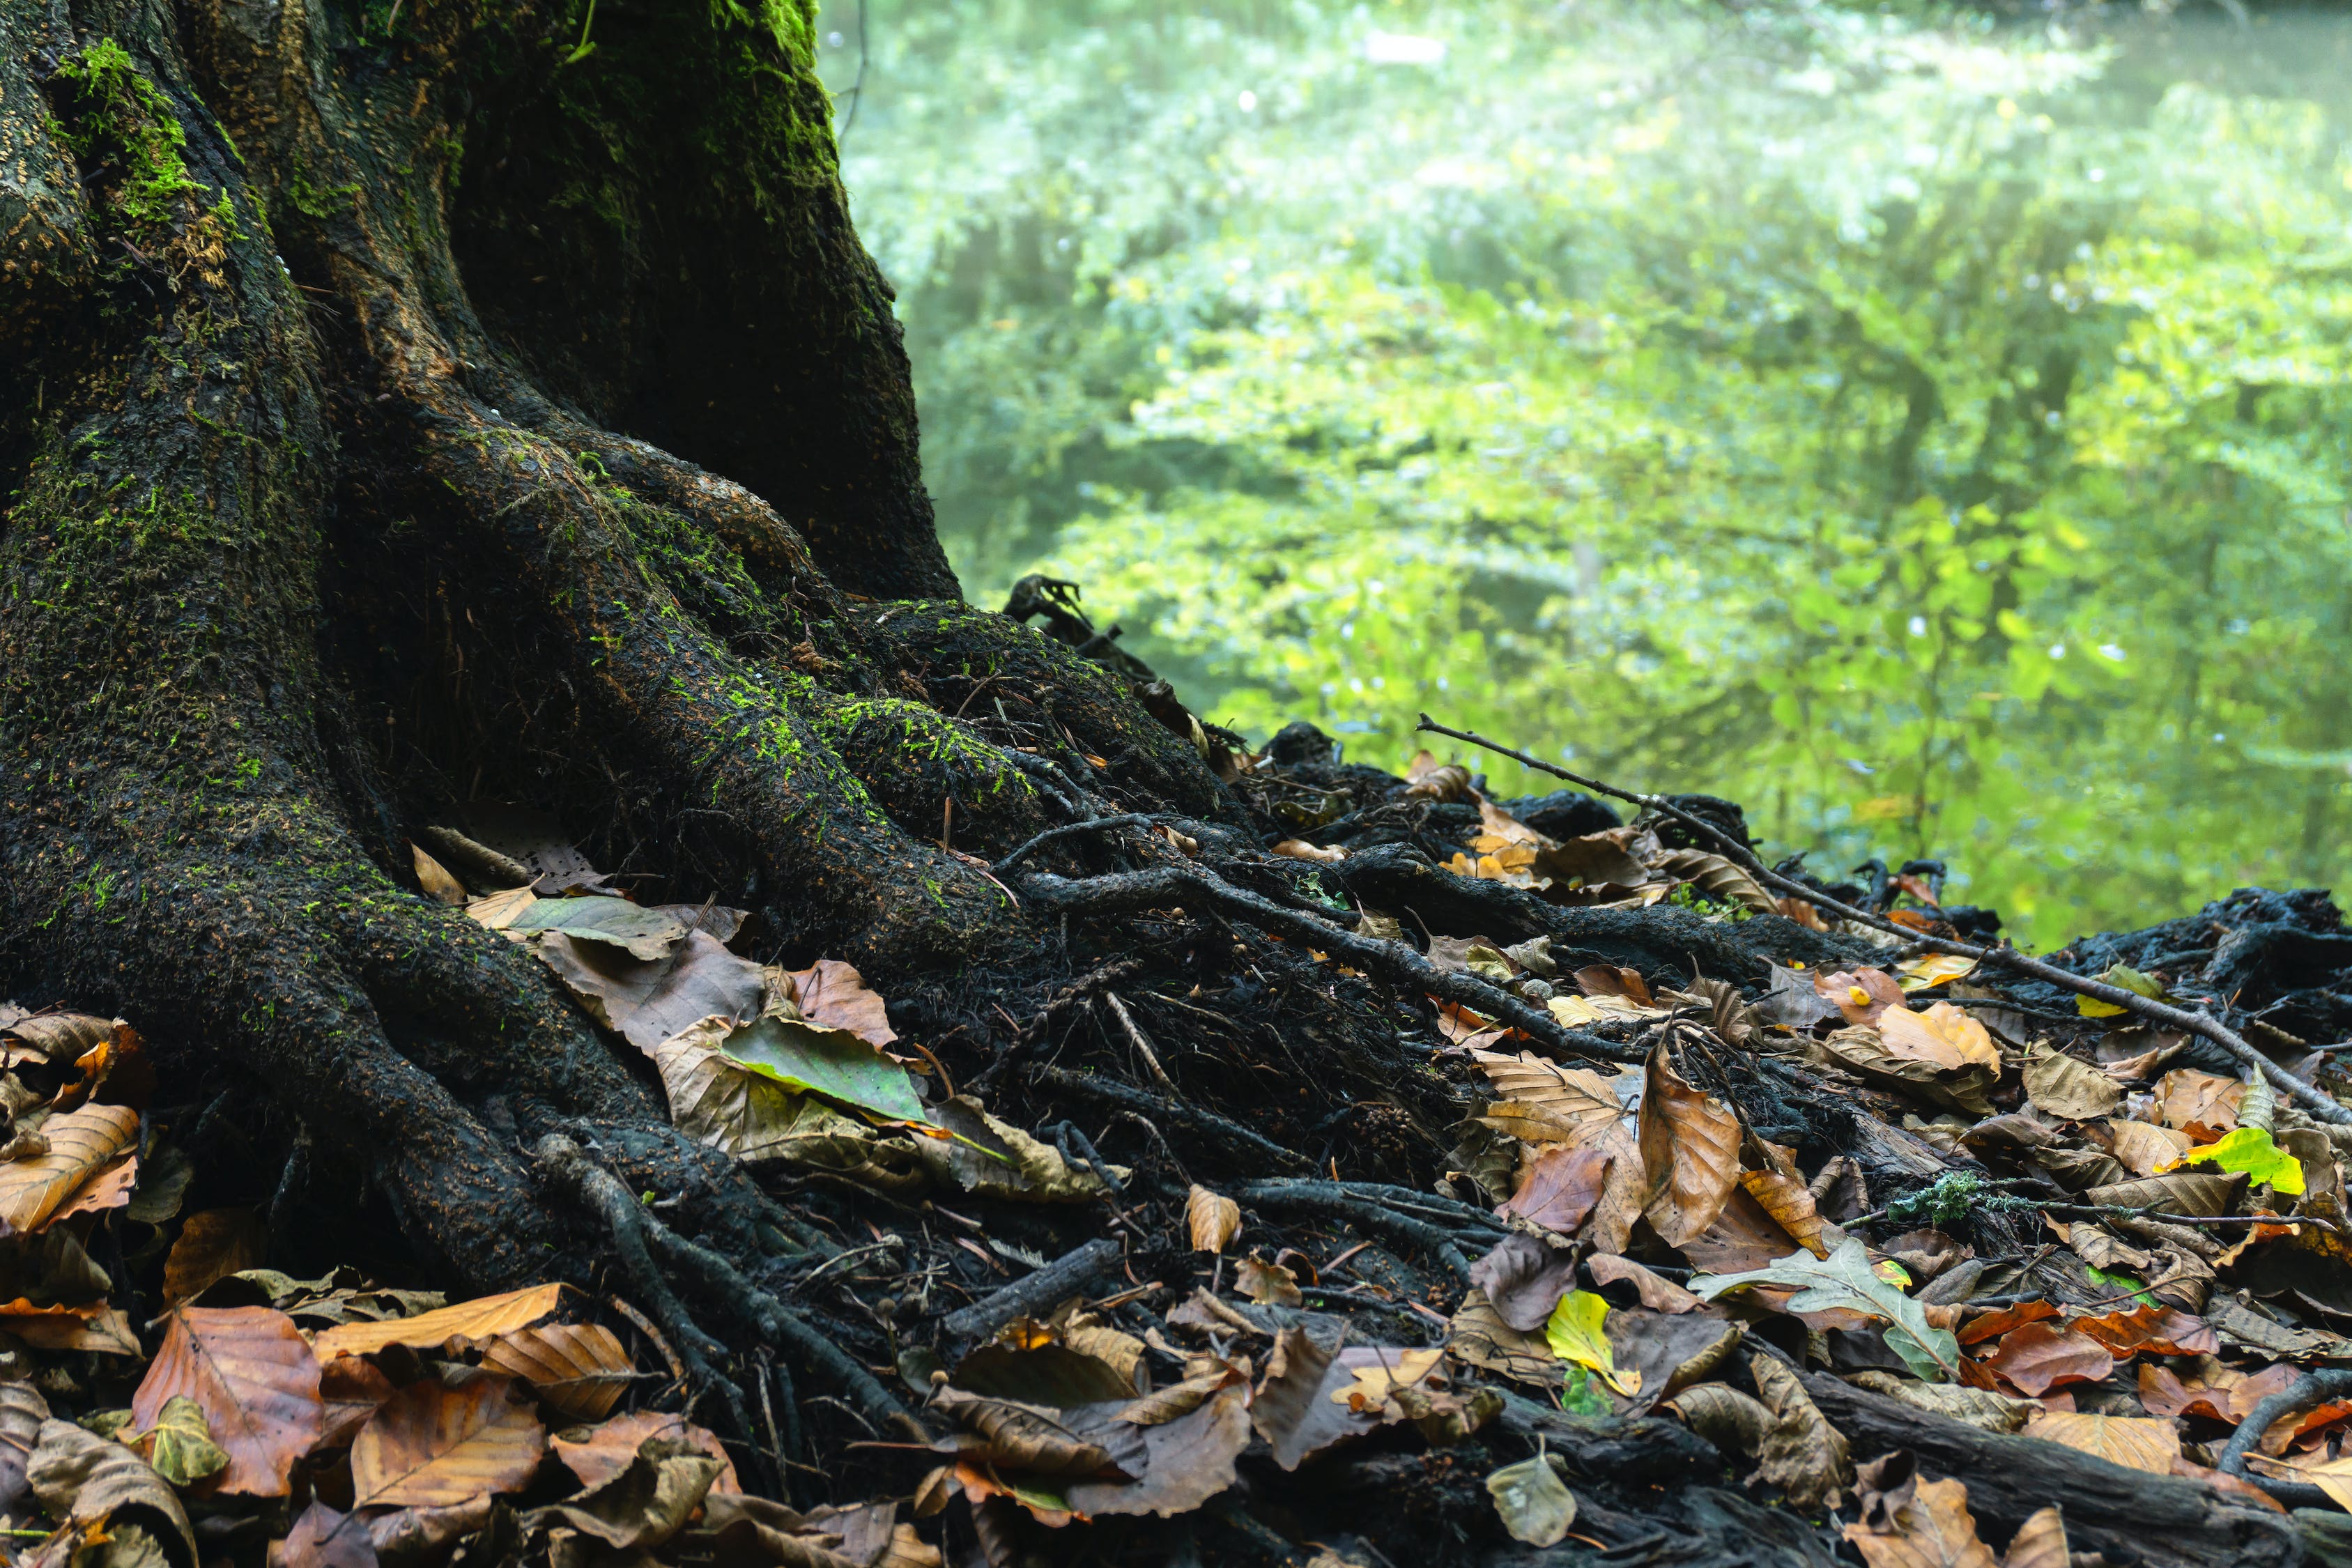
x=414 y=404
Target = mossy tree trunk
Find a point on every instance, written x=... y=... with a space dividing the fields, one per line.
x=407 y=402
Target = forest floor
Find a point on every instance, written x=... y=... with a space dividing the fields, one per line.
x=1449 y=1180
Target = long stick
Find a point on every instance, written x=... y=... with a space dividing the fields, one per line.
x=2200 y=1023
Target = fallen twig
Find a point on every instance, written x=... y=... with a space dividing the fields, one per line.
x=2200 y=1022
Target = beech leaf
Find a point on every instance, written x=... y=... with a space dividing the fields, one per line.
x=2250 y=1151
x=1533 y=1502
x=1212 y=1219
x=253 y=1375
x=1690 y=1153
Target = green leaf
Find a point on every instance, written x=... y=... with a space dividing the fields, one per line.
x=645 y=932
x=2124 y=978
x=1845 y=1279
x=184 y=1452
x=833 y=1063
x=2249 y=1149
x=2122 y=1285
x=1575 y=1335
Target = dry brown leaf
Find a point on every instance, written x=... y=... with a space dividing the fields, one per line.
x=437 y=882
x=1980 y=1407
x=64 y=1038
x=1186 y=1460
x=1932 y=1529
x=1376 y=1382
x=432 y=1446
x=2201 y=1385
x=2039 y=1357
x=1790 y=1204
x=1719 y=879
x=1653 y=1290
x=1559 y=1187
x=254 y=1376
x=212 y=1245
x=1609 y=980
x=2040 y=1541
x=1576 y=1098
x=1003 y=1432
x=1801 y=1453
x=81 y=1144
x=21 y=1411
x=1213 y=1219
x=1863 y=1052
x=581 y=1370
x=833 y=995
x=1478 y=1336
x=717 y=1101
x=604 y=1451
x=1690 y=1152
x=1267 y=1284
x=2157 y=1331
x=1294 y=1410
x=2135 y=1442
x=1732 y=1421
x=1860 y=995
x=1944 y=1035
x=485 y=1317
x=2202 y=1194
x=647 y=1001
x=2185 y=1096
x=2069 y=1088
x=96 y=1485
x=1616 y=857
x=2143 y=1148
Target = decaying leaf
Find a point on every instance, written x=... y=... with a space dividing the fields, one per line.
x=1690 y=1151
x=717 y=1100
x=436 y=879
x=1478 y=1336
x=1944 y=1035
x=1653 y=1290
x=833 y=995
x=1860 y=995
x=995 y=1159
x=2068 y=1088
x=1294 y=1409
x=2041 y=1356
x=250 y=1372
x=478 y=1321
x=1534 y=1503
x=1560 y=1185
x=1267 y=1284
x=581 y=1370
x=1213 y=1220
x=1719 y=879
x=433 y=1445
x=2187 y=1098
x=649 y=1000
x=603 y=1452
x=1022 y=1437
x=1790 y=1204
x=1931 y=1528
x=1801 y=1452
x=180 y=1445
x=1525 y=1278
x=98 y=1485
x=1186 y=1460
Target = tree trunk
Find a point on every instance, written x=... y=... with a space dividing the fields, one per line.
x=416 y=402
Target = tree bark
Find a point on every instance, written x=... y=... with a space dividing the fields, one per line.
x=409 y=404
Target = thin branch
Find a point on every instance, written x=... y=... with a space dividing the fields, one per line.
x=2321 y=1103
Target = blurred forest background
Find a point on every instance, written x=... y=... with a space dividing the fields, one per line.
x=1934 y=431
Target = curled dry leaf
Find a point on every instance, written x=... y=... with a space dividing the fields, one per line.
x=719 y=1102
x=1534 y=1504
x=1021 y=1437
x=1477 y=1336
x=1186 y=1460
x=1732 y=1421
x=1944 y=1035
x=434 y=1445
x=1267 y=1284
x=1295 y=1410
x=83 y=1144
x=647 y=1001
x=833 y=995
x=2196 y=1193
x=180 y=1445
x=1802 y=1453
x=2157 y=1331
x=483 y=1319
x=2185 y=1097
x=2040 y=1541
x=100 y=1485
x=254 y=1376
x=1720 y=880
x=1933 y=1529
x=21 y=1411
x=581 y=1370
x=1790 y=1204
x=1212 y=1219
x=2143 y=1148
x=1653 y=1290
x=1690 y=1151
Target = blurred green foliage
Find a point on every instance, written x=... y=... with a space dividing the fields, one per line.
x=1934 y=435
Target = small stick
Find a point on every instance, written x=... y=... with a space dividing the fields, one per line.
x=2324 y=1105
x=1068 y=830
x=1143 y=1044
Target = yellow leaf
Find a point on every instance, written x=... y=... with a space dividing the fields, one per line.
x=1575 y=1335
x=2139 y=1443
x=1214 y=1220
x=1932 y=969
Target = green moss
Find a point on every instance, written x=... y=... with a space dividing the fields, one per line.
x=122 y=117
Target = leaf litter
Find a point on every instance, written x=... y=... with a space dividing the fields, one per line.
x=1806 y=1196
